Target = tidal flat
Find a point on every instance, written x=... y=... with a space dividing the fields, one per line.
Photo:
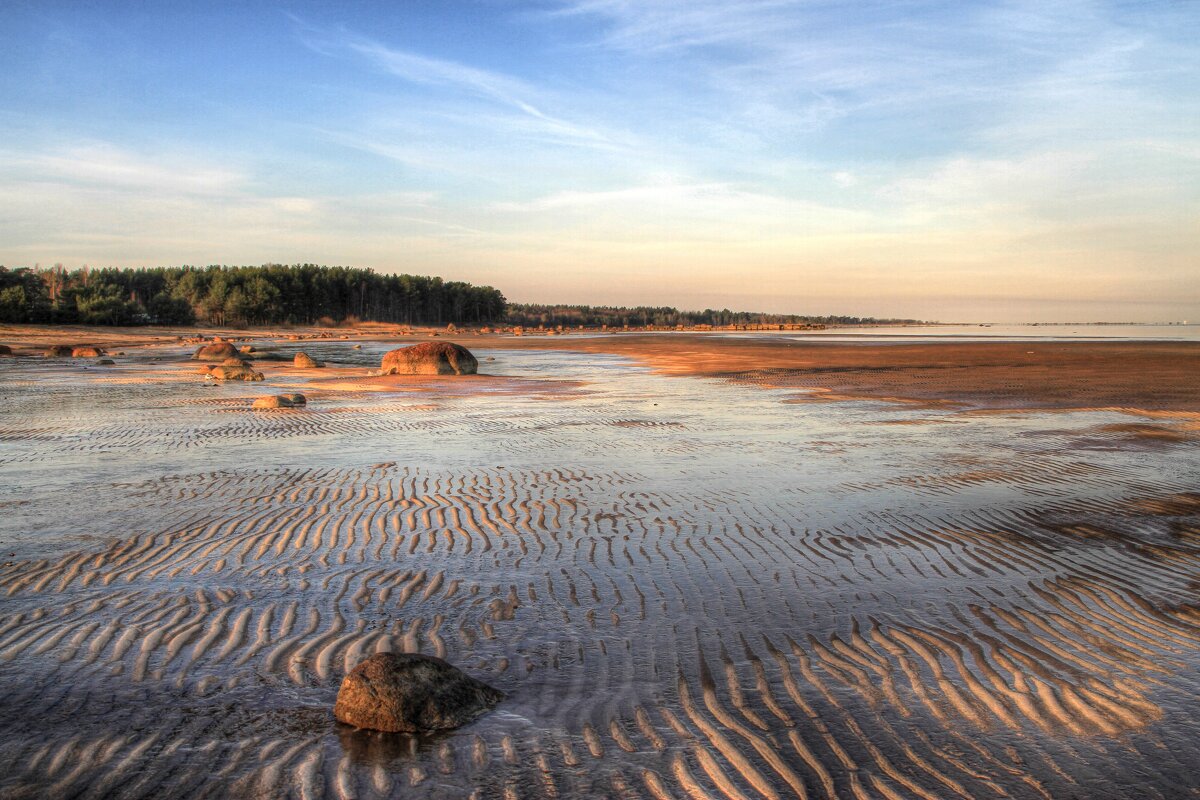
x=697 y=568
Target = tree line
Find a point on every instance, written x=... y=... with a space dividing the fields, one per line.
x=301 y=294
x=307 y=294
x=568 y=316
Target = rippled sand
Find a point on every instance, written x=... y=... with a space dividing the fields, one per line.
x=689 y=587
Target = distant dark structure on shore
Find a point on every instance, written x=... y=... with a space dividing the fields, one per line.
x=307 y=294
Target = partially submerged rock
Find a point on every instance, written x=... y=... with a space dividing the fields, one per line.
x=305 y=361
x=223 y=373
x=397 y=692
x=430 y=358
x=86 y=351
x=105 y=362
x=217 y=351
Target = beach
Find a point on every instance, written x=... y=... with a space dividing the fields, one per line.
x=698 y=565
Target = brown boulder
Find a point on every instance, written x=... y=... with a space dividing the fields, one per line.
x=412 y=693
x=86 y=352
x=430 y=358
x=217 y=351
x=235 y=362
x=235 y=374
x=295 y=398
x=305 y=361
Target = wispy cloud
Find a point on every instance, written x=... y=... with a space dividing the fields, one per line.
x=102 y=164
x=469 y=82
x=658 y=25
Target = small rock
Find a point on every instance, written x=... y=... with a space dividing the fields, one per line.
x=87 y=352
x=217 y=351
x=105 y=362
x=290 y=400
x=407 y=692
x=306 y=361
x=235 y=374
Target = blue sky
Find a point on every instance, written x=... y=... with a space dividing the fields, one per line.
x=988 y=161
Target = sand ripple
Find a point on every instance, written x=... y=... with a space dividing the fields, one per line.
x=843 y=610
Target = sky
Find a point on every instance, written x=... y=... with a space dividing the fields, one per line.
x=983 y=161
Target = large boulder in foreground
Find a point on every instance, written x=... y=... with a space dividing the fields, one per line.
x=430 y=358
x=406 y=692
x=217 y=351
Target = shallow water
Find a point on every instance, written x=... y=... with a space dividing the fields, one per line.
x=1030 y=332
x=688 y=588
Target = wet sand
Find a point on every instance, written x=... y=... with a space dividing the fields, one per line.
x=1029 y=374
x=689 y=584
